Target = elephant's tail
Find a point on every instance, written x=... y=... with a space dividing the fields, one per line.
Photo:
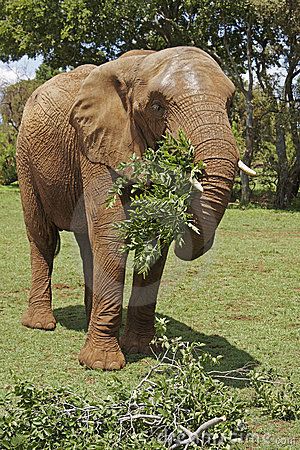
x=58 y=244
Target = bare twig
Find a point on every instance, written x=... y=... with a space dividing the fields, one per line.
x=139 y=416
x=193 y=436
x=229 y=375
x=245 y=369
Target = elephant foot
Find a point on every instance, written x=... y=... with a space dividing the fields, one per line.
x=43 y=320
x=132 y=342
x=101 y=358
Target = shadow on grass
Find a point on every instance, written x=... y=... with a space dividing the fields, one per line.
x=73 y=318
x=10 y=187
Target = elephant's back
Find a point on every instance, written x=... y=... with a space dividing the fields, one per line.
x=47 y=153
x=46 y=139
x=49 y=105
x=61 y=88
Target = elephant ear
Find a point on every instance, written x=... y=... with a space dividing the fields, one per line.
x=101 y=114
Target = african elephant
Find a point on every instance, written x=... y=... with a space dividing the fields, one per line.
x=76 y=129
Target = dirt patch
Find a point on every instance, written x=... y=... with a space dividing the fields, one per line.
x=242 y=317
x=260 y=267
x=90 y=381
x=18 y=291
x=60 y=286
x=234 y=305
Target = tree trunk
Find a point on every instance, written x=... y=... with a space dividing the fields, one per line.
x=248 y=154
x=282 y=167
x=294 y=122
x=293 y=183
x=288 y=178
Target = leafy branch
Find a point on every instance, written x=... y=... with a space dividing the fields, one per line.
x=161 y=191
x=176 y=396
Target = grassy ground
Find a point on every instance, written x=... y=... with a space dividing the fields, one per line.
x=241 y=299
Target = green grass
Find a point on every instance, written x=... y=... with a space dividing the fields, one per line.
x=241 y=299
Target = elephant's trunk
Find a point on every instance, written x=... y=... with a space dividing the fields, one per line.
x=215 y=145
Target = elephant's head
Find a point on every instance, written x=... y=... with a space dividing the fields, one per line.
x=126 y=105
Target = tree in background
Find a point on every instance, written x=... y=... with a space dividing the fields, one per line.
x=12 y=102
x=251 y=40
x=280 y=50
x=8 y=171
x=13 y=98
x=68 y=33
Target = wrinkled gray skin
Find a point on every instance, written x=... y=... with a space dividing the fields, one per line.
x=76 y=129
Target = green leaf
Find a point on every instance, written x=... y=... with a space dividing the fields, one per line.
x=160 y=195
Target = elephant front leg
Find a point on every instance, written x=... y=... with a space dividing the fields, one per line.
x=139 y=330
x=102 y=350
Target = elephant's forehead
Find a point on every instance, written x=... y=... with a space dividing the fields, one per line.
x=187 y=75
x=179 y=53
x=188 y=70
x=174 y=59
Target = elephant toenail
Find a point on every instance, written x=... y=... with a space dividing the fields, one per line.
x=38 y=325
x=114 y=366
x=98 y=365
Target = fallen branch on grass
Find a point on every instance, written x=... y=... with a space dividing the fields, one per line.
x=193 y=436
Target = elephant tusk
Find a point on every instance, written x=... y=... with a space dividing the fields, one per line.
x=196 y=184
x=246 y=169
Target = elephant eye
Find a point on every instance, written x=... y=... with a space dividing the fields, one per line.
x=158 y=108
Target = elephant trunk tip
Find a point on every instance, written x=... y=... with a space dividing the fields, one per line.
x=188 y=252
